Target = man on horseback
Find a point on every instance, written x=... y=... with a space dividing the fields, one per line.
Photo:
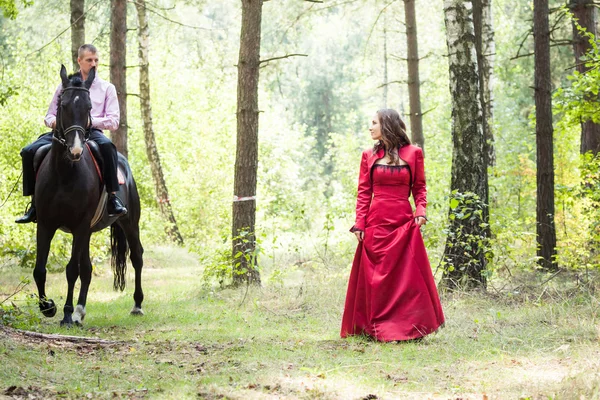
x=103 y=115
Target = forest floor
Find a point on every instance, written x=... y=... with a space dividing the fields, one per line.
x=281 y=341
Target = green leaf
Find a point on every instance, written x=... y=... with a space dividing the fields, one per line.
x=454 y=203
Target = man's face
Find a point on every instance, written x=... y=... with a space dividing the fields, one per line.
x=87 y=61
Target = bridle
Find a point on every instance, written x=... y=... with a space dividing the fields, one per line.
x=60 y=135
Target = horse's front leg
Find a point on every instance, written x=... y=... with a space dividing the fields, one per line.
x=85 y=275
x=72 y=272
x=44 y=238
x=76 y=269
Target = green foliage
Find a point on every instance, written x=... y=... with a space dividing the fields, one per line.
x=590 y=186
x=9 y=7
x=248 y=249
x=578 y=224
x=13 y=315
x=313 y=126
x=579 y=102
x=467 y=234
x=6 y=93
x=577 y=191
x=222 y=265
x=218 y=266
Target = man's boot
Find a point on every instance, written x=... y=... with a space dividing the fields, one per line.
x=30 y=214
x=114 y=206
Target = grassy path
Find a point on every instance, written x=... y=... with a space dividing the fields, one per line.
x=282 y=342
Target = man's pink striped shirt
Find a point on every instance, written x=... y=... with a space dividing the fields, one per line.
x=105 y=106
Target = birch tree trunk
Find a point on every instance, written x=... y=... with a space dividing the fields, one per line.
x=486 y=48
x=585 y=13
x=77 y=29
x=151 y=150
x=118 y=74
x=546 y=231
x=464 y=255
x=414 y=84
x=246 y=156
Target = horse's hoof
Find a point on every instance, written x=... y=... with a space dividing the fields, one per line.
x=48 y=308
x=137 y=311
x=66 y=324
x=79 y=314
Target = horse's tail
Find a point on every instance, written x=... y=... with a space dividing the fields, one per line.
x=118 y=261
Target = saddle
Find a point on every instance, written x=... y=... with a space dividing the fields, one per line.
x=100 y=214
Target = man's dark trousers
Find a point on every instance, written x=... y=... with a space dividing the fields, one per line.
x=107 y=150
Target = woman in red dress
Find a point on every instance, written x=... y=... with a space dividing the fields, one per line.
x=391 y=292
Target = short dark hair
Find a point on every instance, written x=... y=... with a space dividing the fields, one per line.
x=86 y=47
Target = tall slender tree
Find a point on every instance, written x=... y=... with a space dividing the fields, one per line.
x=585 y=13
x=385 y=62
x=246 y=156
x=464 y=255
x=77 y=29
x=160 y=185
x=546 y=231
x=118 y=71
x=414 y=83
x=486 y=48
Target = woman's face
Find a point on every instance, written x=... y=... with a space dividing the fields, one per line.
x=375 y=128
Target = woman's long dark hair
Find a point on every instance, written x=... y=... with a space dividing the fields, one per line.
x=393 y=133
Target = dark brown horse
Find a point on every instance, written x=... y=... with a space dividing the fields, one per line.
x=67 y=193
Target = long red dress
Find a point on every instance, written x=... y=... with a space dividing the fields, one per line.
x=391 y=292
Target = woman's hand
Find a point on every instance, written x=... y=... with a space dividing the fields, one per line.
x=420 y=221
x=360 y=235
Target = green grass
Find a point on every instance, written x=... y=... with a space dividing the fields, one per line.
x=282 y=341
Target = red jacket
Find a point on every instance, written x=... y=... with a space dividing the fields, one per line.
x=413 y=156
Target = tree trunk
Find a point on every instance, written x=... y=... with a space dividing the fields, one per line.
x=118 y=74
x=385 y=63
x=466 y=245
x=546 y=233
x=485 y=46
x=414 y=84
x=151 y=150
x=246 y=157
x=585 y=13
x=77 y=29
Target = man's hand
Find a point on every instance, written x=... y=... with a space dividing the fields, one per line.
x=53 y=124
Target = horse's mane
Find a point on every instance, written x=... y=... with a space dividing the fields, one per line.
x=76 y=80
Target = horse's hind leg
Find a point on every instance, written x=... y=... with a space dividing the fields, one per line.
x=44 y=238
x=136 y=251
x=137 y=261
x=75 y=269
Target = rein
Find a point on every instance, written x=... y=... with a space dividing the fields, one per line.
x=61 y=135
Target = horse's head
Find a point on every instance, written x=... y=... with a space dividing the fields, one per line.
x=73 y=114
